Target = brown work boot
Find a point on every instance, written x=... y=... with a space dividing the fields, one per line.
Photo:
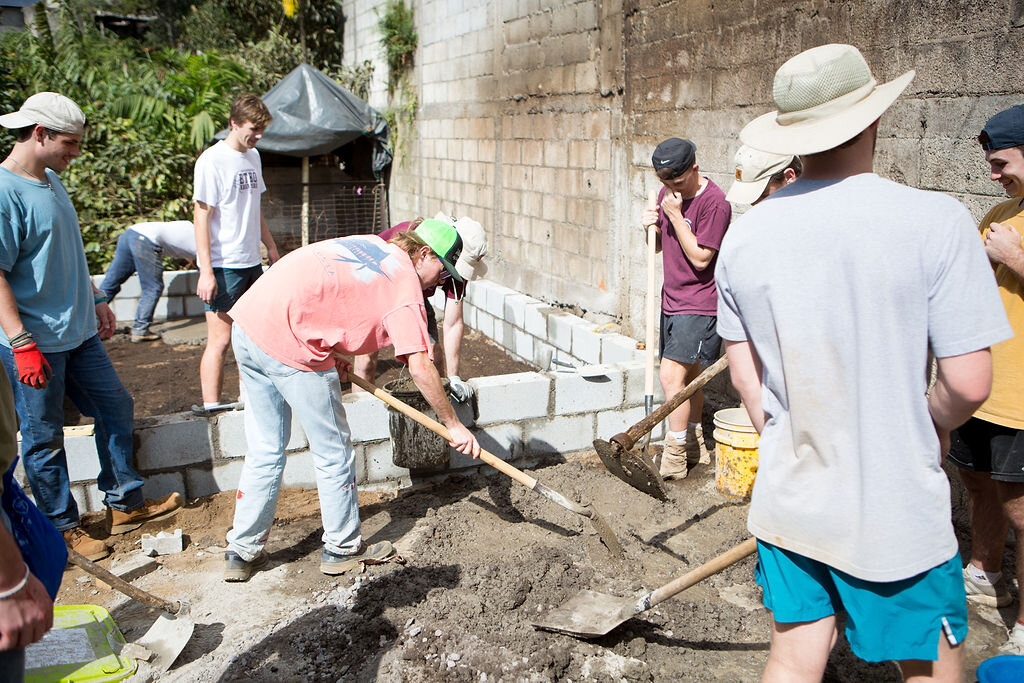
x=85 y=545
x=673 y=459
x=151 y=511
x=696 y=449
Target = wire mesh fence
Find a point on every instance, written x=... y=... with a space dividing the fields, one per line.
x=336 y=209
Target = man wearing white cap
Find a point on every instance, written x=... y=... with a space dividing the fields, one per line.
x=470 y=266
x=830 y=296
x=759 y=174
x=50 y=314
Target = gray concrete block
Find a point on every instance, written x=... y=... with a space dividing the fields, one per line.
x=159 y=485
x=618 y=348
x=476 y=294
x=367 y=417
x=508 y=398
x=173 y=441
x=535 y=320
x=515 y=309
x=360 y=461
x=83 y=462
x=634 y=373
x=299 y=471
x=559 y=332
x=504 y=441
x=542 y=355
x=469 y=313
x=560 y=434
x=586 y=344
x=495 y=303
x=612 y=422
x=124 y=308
x=131 y=288
x=522 y=345
x=194 y=307
x=230 y=429
x=78 y=492
x=223 y=476
x=380 y=465
x=577 y=394
x=94 y=497
x=180 y=282
x=485 y=324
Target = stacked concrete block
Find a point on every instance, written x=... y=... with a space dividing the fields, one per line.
x=178 y=300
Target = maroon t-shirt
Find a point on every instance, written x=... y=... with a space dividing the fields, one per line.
x=686 y=289
x=451 y=288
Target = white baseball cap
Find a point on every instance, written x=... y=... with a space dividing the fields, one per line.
x=471 y=264
x=825 y=96
x=754 y=169
x=49 y=110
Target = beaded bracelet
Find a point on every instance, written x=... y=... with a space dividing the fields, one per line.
x=21 y=584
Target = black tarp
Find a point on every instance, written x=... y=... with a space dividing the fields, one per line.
x=313 y=115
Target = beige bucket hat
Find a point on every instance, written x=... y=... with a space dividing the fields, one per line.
x=825 y=96
x=754 y=169
x=471 y=264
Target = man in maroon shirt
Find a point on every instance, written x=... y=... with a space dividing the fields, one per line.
x=691 y=219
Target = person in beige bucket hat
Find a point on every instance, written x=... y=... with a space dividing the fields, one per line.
x=830 y=295
x=759 y=174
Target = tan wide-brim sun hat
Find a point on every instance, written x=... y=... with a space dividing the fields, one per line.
x=825 y=96
x=754 y=169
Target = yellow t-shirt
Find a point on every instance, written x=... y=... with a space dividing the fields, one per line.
x=1005 y=405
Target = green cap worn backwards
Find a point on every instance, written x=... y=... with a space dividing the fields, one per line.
x=445 y=241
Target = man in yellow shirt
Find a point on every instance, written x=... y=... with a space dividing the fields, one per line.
x=990 y=451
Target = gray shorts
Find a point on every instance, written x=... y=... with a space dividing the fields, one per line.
x=689 y=339
x=981 y=446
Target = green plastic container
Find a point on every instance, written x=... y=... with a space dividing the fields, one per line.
x=82 y=646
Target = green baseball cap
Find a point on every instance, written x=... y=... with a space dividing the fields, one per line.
x=445 y=241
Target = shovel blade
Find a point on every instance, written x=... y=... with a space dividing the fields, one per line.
x=587 y=615
x=166 y=638
x=632 y=468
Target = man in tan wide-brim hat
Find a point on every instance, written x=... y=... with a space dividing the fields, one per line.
x=830 y=295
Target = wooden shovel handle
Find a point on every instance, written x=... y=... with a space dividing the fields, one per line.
x=628 y=438
x=652 y=250
x=121 y=585
x=698 y=574
x=438 y=428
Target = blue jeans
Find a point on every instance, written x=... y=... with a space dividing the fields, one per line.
x=87 y=376
x=272 y=391
x=137 y=254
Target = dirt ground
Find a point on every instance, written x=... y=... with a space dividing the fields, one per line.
x=164 y=379
x=483 y=557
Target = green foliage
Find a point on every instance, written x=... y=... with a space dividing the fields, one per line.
x=400 y=119
x=399 y=38
x=153 y=105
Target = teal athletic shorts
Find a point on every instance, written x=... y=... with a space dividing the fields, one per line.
x=890 y=621
x=232 y=283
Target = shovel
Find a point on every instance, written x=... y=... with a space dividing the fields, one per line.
x=607 y=535
x=652 y=251
x=172 y=630
x=591 y=614
x=634 y=468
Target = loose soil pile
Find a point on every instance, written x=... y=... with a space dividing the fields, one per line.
x=483 y=557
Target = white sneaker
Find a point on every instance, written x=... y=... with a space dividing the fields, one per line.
x=1014 y=644
x=986 y=593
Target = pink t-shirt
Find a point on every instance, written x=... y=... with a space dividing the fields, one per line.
x=686 y=289
x=353 y=295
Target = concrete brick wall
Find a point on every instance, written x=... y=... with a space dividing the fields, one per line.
x=538 y=117
x=519 y=418
x=179 y=298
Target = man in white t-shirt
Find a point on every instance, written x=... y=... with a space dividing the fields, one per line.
x=830 y=296
x=141 y=249
x=229 y=227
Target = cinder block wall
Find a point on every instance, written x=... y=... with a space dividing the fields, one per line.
x=538 y=117
x=179 y=298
